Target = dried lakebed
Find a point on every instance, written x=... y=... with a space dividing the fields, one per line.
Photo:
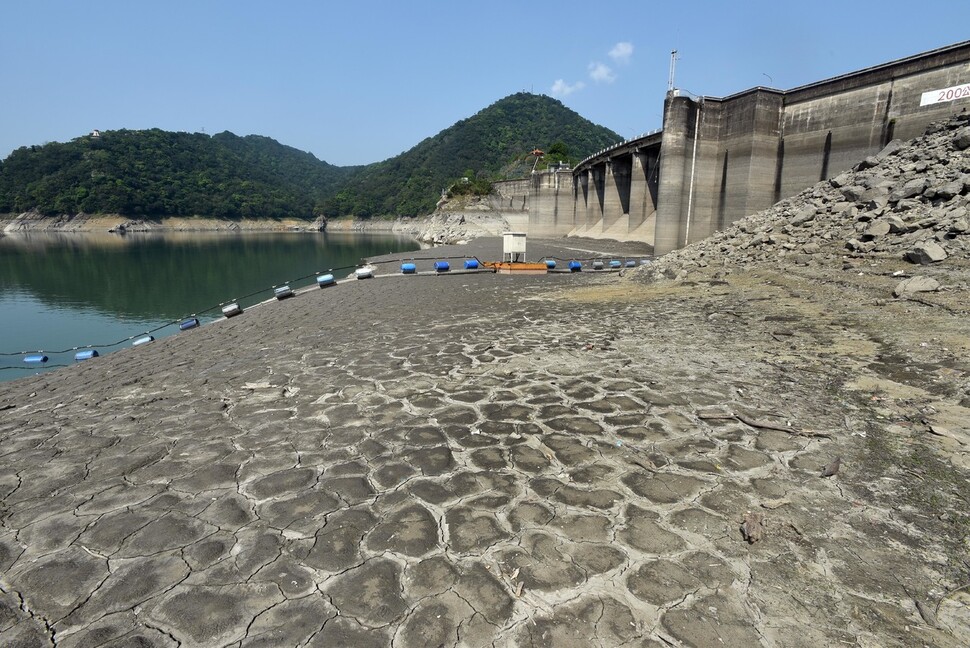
x=503 y=461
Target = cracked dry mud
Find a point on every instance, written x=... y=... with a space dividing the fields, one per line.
x=547 y=461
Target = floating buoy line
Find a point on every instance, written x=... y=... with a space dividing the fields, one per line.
x=365 y=270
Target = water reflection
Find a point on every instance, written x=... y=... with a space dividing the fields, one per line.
x=61 y=290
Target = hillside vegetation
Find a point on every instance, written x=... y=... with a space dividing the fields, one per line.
x=493 y=144
x=155 y=173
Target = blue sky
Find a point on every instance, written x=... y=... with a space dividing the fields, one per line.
x=361 y=81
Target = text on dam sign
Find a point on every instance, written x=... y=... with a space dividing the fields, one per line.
x=946 y=94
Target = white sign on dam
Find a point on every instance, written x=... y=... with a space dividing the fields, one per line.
x=946 y=94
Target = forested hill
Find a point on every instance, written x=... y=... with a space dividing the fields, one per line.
x=159 y=173
x=155 y=173
x=488 y=144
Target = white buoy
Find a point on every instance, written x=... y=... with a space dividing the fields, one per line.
x=229 y=310
x=282 y=292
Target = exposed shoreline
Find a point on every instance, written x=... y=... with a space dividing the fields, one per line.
x=549 y=449
x=118 y=223
x=436 y=228
x=444 y=227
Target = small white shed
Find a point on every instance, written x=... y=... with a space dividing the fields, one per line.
x=513 y=247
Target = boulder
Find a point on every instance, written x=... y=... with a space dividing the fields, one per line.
x=877 y=229
x=889 y=149
x=840 y=180
x=804 y=215
x=896 y=224
x=926 y=252
x=912 y=188
x=853 y=193
x=962 y=139
x=914 y=285
x=949 y=190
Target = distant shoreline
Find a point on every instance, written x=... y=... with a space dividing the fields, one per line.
x=116 y=223
x=442 y=227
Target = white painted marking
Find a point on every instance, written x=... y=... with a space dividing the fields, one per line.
x=946 y=94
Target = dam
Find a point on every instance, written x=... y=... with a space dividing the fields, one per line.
x=718 y=159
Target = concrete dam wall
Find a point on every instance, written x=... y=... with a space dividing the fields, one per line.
x=717 y=160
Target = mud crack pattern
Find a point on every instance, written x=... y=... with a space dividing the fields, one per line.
x=541 y=471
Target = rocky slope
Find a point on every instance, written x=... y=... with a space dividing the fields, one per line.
x=911 y=201
x=460 y=220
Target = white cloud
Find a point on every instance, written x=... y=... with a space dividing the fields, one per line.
x=562 y=89
x=601 y=73
x=622 y=52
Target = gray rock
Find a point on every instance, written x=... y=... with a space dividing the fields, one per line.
x=962 y=139
x=875 y=197
x=853 y=244
x=912 y=188
x=907 y=204
x=804 y=215
x=960 y=226
x=890 y=149
x=896 y=224
x=840 y=180
x=877 y=229
x=949 y=190
x=926 y=252
x=915 y=284
x=853 y=193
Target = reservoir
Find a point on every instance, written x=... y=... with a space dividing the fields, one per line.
x=63 y=291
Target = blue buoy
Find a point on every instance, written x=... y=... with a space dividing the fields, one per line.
x=326 y=280
x=471 y=264
x=408 y=268
x=145 y=339
x=366 y=272
x=550 y=264
x=189 y=323
x=597 y=265
x=282 y=292
x=441 y=266
x=615 y=264
x=229 y=310
x=36 y=358
x=575 y=266
x=87 y=354
x=631 y=263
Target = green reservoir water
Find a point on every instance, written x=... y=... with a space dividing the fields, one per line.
x=61 y=291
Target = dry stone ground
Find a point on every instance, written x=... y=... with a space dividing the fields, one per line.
x=485 y=460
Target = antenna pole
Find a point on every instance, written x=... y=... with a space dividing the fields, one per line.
x=673 y=64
